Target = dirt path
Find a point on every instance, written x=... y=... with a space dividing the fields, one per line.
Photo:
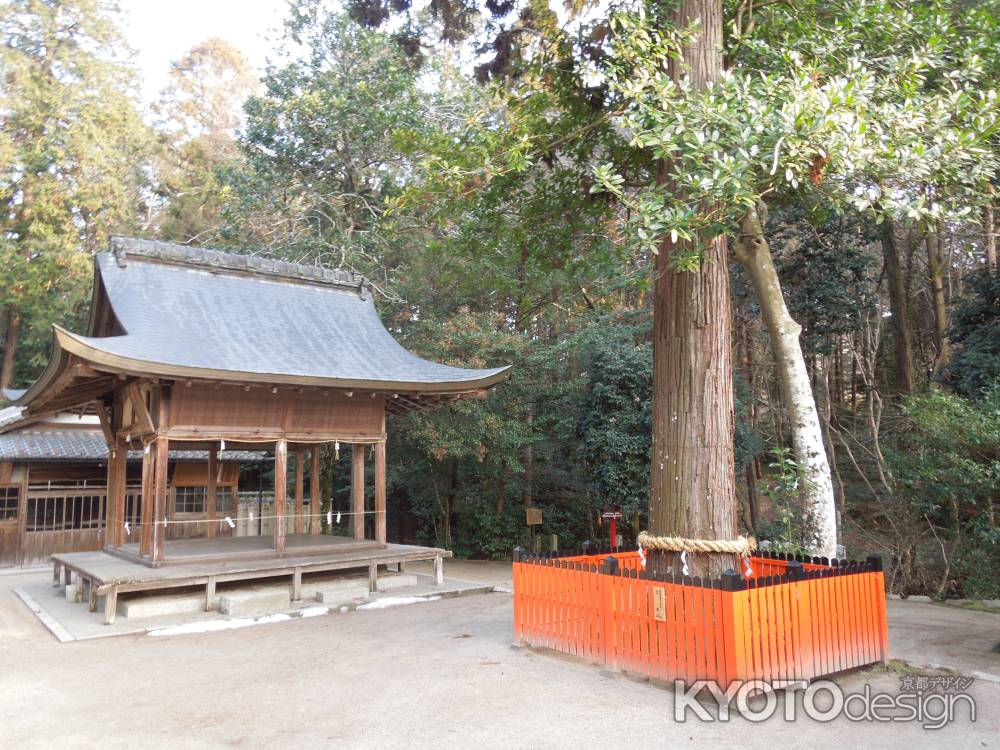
x=439 y=674
x=956 y=638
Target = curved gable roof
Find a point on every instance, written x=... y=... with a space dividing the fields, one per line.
x=190 y=312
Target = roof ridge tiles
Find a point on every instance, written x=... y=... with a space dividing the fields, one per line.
x=121 y=248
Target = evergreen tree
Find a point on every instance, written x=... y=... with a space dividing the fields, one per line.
x=76 y=156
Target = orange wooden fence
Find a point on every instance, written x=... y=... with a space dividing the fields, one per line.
x=791 y=622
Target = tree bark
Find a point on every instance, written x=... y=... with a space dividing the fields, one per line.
x=935 y=272
x=11 y=340
x=449 y=503
x=745 y=361
x=692 y=483
x=905 y=375
x=819 y=503
x=990 y=234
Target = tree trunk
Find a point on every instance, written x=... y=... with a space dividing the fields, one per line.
x=819 y=504
x=502 y=490
x=753 y=495
x=522 y=290
x=692 y=483
x=449 y=504
x=990 y=234
x=825 y=407
x=905 y=375
x=745 y=340
x=935 y=272
x=10 y=342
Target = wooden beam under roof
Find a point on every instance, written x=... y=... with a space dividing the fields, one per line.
x=142 y=420
x=104 y=417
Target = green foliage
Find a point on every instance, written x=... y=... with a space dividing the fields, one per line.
x=788 y=529
x=975 y=331
x=199 y=113
x=473 y=208
x=76 y=158
x=748 y=442
x=321 y=147
x=822 y=116
x=955 y=454
x=504 y=186
x=615 y=425
x=570 y=430
x=947 y=466
x=828 y=272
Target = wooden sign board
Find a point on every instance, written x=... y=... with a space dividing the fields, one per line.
x=660 y=604
x=533 y=516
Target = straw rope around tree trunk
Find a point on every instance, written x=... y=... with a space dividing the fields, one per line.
x=741 y=546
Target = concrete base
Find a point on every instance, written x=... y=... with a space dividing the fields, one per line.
x=334 y=583
x=345 y=588
x=396 y=581
x=69 y=621
x=340 y=594
x=161 y=606
x=254 y=601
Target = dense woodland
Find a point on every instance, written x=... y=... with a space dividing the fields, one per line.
x=516 y=179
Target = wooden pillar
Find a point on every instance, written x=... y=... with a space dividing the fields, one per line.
x=115 y=498
x=146 y=501
x=280 y=480
x=210 y=602
x=300 y=480
x=160 y=500
x=213 y=478
x=110 y=522
x=111 y=605
x=358 y=489
x=22 y=515
x=314 y=491
x=120 y=490
x=380 y=491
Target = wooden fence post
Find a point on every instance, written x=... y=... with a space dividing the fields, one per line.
x=608 y=572
x=883 y=630
x=519 y=593
x=734 y=628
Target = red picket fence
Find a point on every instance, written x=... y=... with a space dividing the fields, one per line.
x=794 y=620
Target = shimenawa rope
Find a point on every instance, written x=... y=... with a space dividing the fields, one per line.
x=742 y=545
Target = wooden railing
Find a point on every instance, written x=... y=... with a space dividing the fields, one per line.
x=68 y=519
x=799 y=625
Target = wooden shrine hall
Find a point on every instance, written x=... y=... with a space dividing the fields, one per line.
x=194 y=349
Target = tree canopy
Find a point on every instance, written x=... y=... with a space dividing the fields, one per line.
x=518 y=179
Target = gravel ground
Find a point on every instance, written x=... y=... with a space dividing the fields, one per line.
x=439 y=674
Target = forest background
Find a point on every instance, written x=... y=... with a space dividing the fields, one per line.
x=492 y=168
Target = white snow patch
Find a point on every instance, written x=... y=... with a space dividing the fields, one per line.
x=397 y=601
x=314 y=611
x=212 y=626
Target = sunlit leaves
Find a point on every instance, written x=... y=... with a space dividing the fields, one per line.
x=856 y=116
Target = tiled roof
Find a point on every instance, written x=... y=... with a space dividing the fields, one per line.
x=203 y=312
x=89 y=445
x=10 y=415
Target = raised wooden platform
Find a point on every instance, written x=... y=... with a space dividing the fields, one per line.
x=103 y=574
x=227 y=549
